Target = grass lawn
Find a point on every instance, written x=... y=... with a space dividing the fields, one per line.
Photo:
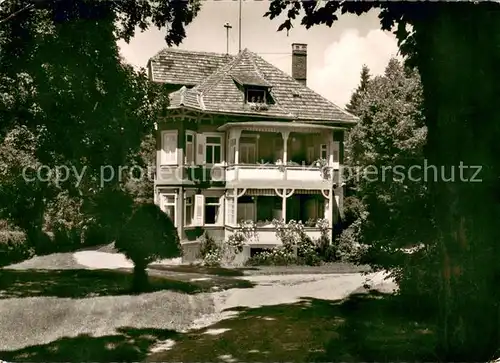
x=363 y=328
x=65 y=310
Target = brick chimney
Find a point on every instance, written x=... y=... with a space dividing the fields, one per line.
x=299 y=62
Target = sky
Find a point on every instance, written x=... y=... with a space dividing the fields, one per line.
x=335 y=55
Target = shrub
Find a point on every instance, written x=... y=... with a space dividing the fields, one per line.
x=348 y=246
x=210 y=251
x=297 y=248
x=213 y=258
x=147 y=236
x=207 y=245
x=225 y=252
x=416 y=279
x=353 y=210
x=278 y=256
x=13 y=248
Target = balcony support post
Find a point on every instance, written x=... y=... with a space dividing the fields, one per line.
x=237 y=135
x=284 y=194
x=285 y=135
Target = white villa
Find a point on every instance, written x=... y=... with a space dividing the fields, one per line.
x=242 y=140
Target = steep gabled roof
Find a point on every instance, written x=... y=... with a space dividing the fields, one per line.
x=221 y=91
x=176 y=66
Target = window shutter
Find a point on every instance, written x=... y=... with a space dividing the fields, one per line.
x=199 y=210
x=169 y=148
x=200 y=149
x=336 y=151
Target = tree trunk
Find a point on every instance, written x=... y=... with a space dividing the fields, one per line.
x=140 y=282
x=458 y=50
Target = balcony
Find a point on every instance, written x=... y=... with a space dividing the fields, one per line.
x=249 y=176
x=269 y=175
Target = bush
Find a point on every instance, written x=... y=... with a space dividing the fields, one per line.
x=416 y=279
x=353 y=210
x=224 y=253
x=147 y=236
x=207 y=245
x=13 y=248
x=278 y=256
x=348 y=246
x=210 y=251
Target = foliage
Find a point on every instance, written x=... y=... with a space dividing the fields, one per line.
x=224 y=253
x=348 y=246
x=461 y=114
x=13 y=248
x=296 y=247
x=79 y=106
x=147 y=236
x=278 y=256
x=353 y=105
x=353 y=209
x=207 y=245
x=387 y=142
x=324 y=168
x=139 y=181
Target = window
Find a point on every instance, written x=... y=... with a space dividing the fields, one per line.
x=213 y=148
x=278 y=147
x=323 y=151
x=188 y=214
x=212 y=205
x=310 y=154
x=169 y=206
x=256 y=95
x=246 y=209
x=189 y=159
x=247 y=153
x=169 y=148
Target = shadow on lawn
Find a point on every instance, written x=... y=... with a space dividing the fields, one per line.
x=87 y=283
x=217 y=271
x=128 y=345
x=363 y=328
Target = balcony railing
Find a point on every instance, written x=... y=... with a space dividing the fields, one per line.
x=247 y=174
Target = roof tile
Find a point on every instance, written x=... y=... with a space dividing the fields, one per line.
x=217 y=76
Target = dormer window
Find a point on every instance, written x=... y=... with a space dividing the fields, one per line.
x=255 y=95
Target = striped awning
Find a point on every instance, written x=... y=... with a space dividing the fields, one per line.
x=261 y=192
x=307 y=191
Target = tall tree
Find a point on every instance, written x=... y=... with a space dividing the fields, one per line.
x=63 y=81
x=458 y=65
x=381 y=150
x=353 y=104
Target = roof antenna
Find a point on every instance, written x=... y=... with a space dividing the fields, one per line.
x=239 y=27
x=227 y=26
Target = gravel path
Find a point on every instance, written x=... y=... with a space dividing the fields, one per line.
x=283 y=289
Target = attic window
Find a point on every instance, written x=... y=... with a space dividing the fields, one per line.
x=255 y=95
x=295 y=93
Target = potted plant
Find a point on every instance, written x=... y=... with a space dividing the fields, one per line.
x=324 y=169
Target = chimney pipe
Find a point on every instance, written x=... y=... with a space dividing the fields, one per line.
x=299 y=62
